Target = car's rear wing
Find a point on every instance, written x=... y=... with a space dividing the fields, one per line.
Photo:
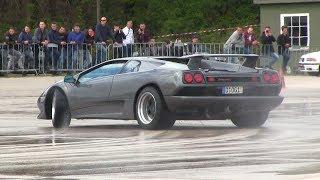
x=249 y=60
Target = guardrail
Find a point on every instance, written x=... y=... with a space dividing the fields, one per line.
x=77 y=57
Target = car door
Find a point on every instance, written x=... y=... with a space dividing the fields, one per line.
x=89 y=96
x=124 y=87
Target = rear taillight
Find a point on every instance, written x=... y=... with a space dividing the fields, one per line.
x=188 y=78
x=198 y=78
x=266 y=77
x=275 y=78
x=271 y=78
x=193 y=78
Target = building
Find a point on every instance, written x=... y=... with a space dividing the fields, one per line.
x=301 y=16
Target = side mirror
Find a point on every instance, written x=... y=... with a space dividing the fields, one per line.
x=69 y=79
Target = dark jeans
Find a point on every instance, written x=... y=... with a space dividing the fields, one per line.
x=64 y=58
x=28 y=58
x=286 y=58
x=128 y=50
x=101 y=53
x=38 y=59
x=118 y=52
x=54 y=54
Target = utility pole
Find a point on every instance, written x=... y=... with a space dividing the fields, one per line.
x=98 y=11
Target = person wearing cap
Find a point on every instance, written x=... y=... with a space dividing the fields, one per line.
x=103 y=36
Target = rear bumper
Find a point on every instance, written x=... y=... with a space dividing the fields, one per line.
x=309 y=67
x=234 y=103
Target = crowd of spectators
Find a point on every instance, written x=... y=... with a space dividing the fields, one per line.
x=244 y=41
x=80 y=47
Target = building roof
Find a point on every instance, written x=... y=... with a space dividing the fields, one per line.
x=283 y=1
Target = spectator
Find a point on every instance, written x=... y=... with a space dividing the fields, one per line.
x=143 y=37
x=267 y=40
x=90 y=37
x=25 y=39
x=154 y=50
x=194 y=47
x=103 y=37
x=234 y=44
x=76 y=39
x=118 y=37
x=14 y=56
x=89 y=40
x=168 y=49
x=143 y=34
x=129 y=39
x=178 y=47
x=63 y=47
x=41 y=40
x=53 y=44
x=284 y=42
x=250 y=40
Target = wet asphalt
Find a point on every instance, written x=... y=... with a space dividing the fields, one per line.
x=287 y=147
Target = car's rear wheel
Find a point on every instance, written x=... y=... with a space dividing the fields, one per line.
x=250 y=119
x=151 y=111
x=60 y=111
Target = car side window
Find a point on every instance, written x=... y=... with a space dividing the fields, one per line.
x=132 y=66
x=103 y=71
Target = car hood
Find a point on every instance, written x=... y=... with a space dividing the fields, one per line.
x=312 y=55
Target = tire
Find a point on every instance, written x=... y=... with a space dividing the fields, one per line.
x=250 y=119
x=151 y=111
x=61 y=116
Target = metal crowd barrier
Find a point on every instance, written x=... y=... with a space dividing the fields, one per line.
x=20 y=58
x=77 y=57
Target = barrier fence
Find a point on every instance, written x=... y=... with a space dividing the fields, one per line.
x=37 y=58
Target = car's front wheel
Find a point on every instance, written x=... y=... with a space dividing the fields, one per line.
x=60 y=111
x=250 y=119
x=151 y=111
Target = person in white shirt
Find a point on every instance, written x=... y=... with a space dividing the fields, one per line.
x=129 y=40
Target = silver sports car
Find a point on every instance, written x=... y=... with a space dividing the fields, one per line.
x=156 y=91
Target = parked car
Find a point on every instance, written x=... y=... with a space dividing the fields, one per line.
x=310 y=63
x=156 y=91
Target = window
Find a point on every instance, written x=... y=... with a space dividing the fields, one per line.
x=102 y=71
x=299 y=28
x=132 y=66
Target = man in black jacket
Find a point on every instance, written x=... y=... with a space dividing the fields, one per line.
x=53 y=44
x=267 y=40
x=65 y=53
x=12 y=47
x=103 y=37
x=41 y=39
x=118 y=37
x=283 y=47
